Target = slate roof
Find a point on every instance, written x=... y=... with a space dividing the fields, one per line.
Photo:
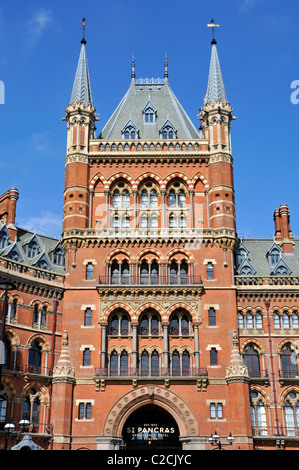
x=159 y=93
x=45 y=244
x=257 y=256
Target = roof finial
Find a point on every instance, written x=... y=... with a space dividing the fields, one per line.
x=83 y=41
x=213 y=25
x=133 y=66
x=165 y=66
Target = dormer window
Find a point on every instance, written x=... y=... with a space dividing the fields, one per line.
x=58 y=256
x=168 y=131
x=274 y=254
x=149 y=113
x=32 y=250
x=130 y=131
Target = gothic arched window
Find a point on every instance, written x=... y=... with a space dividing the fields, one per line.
x=289 y=362
x=252 y=361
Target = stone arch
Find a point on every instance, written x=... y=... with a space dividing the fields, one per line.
x=9 y=387
x=255 y=343
x=14 y=337
x=95 y=179
x=147 y=175
x=115 y=306
x=46 y=344
x=286 y=391
x=183 y=306
x=177 y=176
x=41 y=391
x=120 y=251
x=120 y=176
x=149 y=305
x=151 y=394
x=180 y=251
x=197 y=177
x=151 y=250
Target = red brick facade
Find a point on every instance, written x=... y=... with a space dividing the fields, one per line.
x=158 y=324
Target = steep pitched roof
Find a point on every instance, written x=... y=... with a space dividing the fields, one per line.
x=162 y=98
x=81 y=88
x=215 y=90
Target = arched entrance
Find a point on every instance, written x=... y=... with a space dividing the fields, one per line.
x=151 y=427
x=137 y=399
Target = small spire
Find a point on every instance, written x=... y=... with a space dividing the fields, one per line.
x=213 y=25
x=133 y=66
x=165 y=66
x=81 y=87
x=216 y=90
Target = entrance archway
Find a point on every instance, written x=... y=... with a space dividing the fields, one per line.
x=151 y=427
x=138 y=399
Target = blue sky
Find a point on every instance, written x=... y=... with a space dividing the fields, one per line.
x=258 y=47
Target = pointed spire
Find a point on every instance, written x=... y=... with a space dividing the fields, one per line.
x=81 y=88
x=216 y=90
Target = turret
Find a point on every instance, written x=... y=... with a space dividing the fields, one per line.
x=216 y=116
x=80 y=118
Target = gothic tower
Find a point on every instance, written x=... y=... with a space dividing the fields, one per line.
x=149 y=232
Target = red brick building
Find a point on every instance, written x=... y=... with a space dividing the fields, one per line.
x=170 y=325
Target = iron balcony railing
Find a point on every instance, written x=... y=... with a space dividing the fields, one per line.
x=288 y=374
x=258 y=373
x=151 y=372
x=27 y=368
x=150 y=280
x=283 y=431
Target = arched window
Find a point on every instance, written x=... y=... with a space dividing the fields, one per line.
x=277 y=321
x=88 y=317
x=13 y=309
x=213 y=357
x=180 y=324
x=155 y=364
x=31 y=407
x=186 y=363
x=113 y=363
x=35 y=357
x=289 y=362
x=252 y=361
x=150 y=323
x=295 y=320
x=125 y=273
x=291 y=413
x=119 y=324
x=86 y=357
x=144 y=363
x=113 y=325
x=149 y=273
x=258 y=415
x=240 y=317
x=178 y=272
x=175 y=364
x=249 y=321
x=89 y=271
x=124 y=364
x=3 y=408
x=7 y=352
x=210 y=271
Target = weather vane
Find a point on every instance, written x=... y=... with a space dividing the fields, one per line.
x=213 y=25
x=84 y=27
